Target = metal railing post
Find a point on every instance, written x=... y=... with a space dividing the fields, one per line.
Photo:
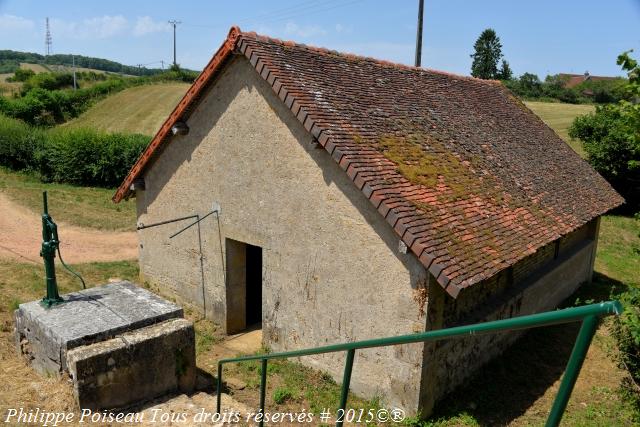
x=263 y=389
x=346 y=380
x=219 y=387
x=578 y=354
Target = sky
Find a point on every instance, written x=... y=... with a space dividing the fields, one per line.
x=539 y=36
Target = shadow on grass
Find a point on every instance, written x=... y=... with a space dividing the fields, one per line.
x=506 y=387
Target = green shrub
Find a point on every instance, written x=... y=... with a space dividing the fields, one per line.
x=87 y=157
x=75 y=156
x=626 y=331
x=22 y=75
x=18 y=144
x=49 y=81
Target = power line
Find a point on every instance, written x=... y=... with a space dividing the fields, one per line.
x=313 y=9
x=301 y=7
x=305 y=8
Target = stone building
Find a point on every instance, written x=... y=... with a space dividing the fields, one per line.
x=360 y=199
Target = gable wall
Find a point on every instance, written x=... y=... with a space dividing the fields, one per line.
x=331 y=267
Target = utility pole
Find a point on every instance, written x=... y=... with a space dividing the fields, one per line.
x=174 y=23
x=73 y=58
x=419 y=35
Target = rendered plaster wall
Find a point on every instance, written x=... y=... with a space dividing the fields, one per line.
x=545 y=279
x=332 y=271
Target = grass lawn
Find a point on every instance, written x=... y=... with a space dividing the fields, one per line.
x=559 y=117
x=83 y=206
x=140 y=109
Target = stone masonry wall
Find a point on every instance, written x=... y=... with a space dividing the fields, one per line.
x=544 y=280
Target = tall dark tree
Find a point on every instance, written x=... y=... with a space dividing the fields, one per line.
x=487 y=55
x=505 y=72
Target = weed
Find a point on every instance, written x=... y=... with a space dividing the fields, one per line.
x=14 y=304
x=282 y=395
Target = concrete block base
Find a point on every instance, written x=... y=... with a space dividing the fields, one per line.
x=120 y=344
x=145 y=363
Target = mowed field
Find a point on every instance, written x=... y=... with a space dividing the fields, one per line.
x=559 y=117
x=140 y=109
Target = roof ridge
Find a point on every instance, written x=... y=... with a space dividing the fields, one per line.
x=377 y=61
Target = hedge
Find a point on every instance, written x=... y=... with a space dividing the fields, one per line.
x=75 y=156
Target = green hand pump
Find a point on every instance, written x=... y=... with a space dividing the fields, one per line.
x=50 y=244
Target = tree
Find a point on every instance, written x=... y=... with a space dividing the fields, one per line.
x=611 y=137
x=505 y=72
x=530 y=85
x=488 y=52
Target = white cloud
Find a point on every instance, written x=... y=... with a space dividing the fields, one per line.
x=107 y=26
x=9 y=23
x=293 y=29
x=146 y=25
x=92 y=28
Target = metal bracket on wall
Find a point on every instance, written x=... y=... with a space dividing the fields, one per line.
x=197 y=221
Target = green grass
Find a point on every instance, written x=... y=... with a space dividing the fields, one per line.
x=559 y=117
x=21 y=282
x=206 y=336
x=82 y=206
x=292 y=385
x=617 y=258
x=140 y=109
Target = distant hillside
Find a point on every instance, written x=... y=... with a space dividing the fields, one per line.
x=140 y=109
x=10 y=60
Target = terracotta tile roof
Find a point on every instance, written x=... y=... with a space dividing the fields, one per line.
x=573 y=80
x=469 y=178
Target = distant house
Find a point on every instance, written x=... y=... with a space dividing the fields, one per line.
x=362 y=199
x=573 y=80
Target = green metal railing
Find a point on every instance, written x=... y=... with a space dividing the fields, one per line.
x=587 y=314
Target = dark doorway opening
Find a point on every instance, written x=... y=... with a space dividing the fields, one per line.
x=244 y=286
x=254 y=285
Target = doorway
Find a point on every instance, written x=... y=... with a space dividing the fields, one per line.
x=244 y=286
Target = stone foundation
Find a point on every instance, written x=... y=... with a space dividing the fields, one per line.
x=147 y=362
x=120 y=344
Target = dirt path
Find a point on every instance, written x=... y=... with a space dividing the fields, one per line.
x=20 y=238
